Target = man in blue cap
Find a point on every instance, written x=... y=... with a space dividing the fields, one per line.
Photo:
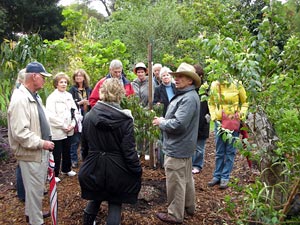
x=30 y=138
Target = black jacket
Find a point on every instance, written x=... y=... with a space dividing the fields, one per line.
x=203 y=131
x=111 y=170
x=160 y=95
x=75 y=93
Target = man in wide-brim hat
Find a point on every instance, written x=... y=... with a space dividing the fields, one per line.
x=189 y=72
x=180 y=130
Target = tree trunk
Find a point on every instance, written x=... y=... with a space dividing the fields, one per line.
x=271 y=169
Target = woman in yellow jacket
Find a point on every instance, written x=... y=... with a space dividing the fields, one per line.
x=230 y=98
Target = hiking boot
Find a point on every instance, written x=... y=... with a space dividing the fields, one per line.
x=165 y=217
x=213 y=182
x=224 y=184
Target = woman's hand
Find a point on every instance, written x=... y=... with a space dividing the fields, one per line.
x=83 y=102
x=69 y=128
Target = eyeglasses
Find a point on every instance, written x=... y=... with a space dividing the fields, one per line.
x=40 y=75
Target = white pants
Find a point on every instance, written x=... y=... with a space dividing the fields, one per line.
x=34 y=176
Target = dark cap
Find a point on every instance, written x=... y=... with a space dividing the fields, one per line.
x=36 y=67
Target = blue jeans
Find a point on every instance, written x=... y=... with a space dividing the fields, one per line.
x=225 y=154
x=75 y=141
x=198 y=157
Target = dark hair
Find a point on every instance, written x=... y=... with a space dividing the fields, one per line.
x=200 y=72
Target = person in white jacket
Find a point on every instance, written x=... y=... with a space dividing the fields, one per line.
x=61 y=106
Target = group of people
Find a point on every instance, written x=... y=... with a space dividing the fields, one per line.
x=93 y=119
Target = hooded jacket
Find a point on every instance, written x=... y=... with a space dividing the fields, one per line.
x=111 y=170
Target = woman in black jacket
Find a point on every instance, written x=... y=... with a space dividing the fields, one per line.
x=203 y=130
x=80 y=92
x=165 y=91
x=111 y=170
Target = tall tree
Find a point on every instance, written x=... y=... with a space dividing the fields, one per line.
x=33 y=16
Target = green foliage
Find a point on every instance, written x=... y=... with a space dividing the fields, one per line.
x=73 y=21
x=143 y=117
x=15 y=56
x=82 y=7
x=136 y=25
x=94 y=57
x=31 y=17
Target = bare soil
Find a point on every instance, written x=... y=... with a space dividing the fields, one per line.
x=211 y=207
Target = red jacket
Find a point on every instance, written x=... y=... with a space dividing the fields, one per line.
x=94 y=97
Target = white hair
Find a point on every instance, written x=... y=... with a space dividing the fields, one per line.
x=157 y=65
x=164 y=70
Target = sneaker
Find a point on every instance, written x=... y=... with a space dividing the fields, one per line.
x=224 y=184
x=147 y=157
x=74 y=165
x=213 y=182
x=57 y=180
x=196 y=170
x=70 y=173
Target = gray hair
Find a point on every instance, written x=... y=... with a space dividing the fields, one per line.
x=157 y=65
x=164 y=70
x=21 y=76
x=115 y=64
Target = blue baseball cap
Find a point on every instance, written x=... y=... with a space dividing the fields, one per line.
x=36 y=67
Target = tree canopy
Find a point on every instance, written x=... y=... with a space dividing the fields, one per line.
x=30 y=17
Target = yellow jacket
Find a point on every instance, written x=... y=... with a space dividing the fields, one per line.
x=233 y=99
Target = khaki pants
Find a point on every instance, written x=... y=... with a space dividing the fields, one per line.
x=34 y=176
x=180 y=186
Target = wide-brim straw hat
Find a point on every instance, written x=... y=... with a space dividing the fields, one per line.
x=189 y=71
x=140 y=65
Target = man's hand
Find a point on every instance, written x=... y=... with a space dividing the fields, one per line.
x=157 y=121
x=48 y=145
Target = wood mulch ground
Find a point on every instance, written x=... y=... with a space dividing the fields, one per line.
x=211 y=206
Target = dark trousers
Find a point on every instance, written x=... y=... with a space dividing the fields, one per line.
x=20 y=185
x=62 y=156
x=114 y=211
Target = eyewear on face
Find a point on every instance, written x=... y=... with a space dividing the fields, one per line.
x=41 y=76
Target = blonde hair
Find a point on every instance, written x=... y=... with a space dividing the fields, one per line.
x=111 y=90
x=58 y=77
